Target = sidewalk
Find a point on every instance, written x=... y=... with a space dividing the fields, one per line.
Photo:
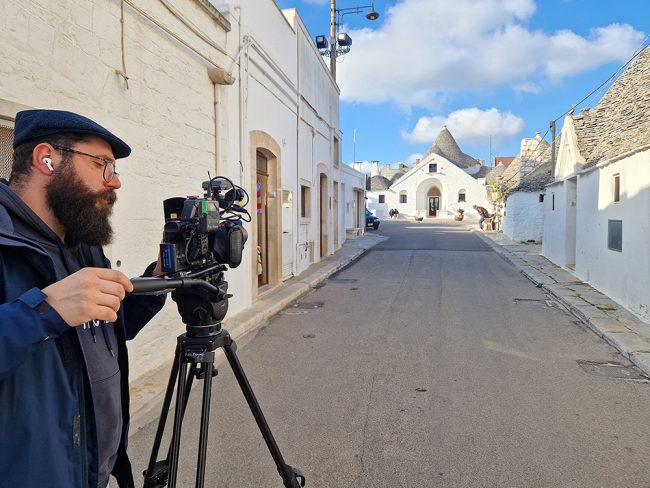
x=601 y=314
x=147 y=392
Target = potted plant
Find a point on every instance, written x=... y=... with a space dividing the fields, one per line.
x=460 y=214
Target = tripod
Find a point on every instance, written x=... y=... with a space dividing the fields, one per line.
x=202 y=308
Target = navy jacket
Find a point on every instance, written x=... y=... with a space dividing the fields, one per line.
x=45 y=435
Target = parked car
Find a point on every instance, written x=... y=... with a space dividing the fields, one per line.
x=371 y=220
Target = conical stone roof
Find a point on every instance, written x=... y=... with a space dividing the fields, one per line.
x=377 y=183
x=446 y=146
x=620 y=122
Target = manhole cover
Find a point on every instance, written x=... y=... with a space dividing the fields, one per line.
x=308 y=305
x=309 y=336
x=342 y=280
x=294 y=312
x=611 y=370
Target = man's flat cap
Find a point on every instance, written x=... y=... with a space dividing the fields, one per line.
x=34 y=124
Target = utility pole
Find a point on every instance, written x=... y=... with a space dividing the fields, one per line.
x=490 y=149
x=333 y=38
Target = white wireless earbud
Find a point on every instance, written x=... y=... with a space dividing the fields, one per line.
x=48 y=162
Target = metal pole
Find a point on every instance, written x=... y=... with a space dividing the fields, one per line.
x=333 y=38
x=553 y=148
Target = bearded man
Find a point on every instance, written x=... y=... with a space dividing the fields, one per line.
x=64 y=314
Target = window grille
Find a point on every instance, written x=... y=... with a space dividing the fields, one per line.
x=6 y=149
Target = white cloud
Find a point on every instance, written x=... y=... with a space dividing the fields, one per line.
x=428 y=47
x=528 y=87
x=468 y=125
x=366 y=166
x=410 y=161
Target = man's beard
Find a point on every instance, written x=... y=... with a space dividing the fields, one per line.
x=84 y=214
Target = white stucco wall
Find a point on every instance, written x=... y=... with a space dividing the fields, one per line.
x=623 y=276
x=352 y=182
x=286 y=92
x=554 y=235
x=523 y=218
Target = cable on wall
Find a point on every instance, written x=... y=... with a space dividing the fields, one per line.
x=122 y=73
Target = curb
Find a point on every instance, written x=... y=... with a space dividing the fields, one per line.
x=630 y=344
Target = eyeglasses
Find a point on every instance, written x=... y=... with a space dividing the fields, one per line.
x=109 y=164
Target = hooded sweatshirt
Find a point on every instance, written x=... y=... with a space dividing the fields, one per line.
x=94 y=342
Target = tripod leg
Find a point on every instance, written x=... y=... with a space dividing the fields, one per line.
x=208 y=367
x=289 y=475
x=176 y=436
x=157 y=472
x=149 y=475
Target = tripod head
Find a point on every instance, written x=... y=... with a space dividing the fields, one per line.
x=201 y=298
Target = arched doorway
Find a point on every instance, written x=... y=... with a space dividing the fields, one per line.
x=433 y=201
x=266 y=226
x=262 y=193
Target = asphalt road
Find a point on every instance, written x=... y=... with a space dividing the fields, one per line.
x=431 y=363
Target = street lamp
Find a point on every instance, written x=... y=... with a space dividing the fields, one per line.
x=340 y=42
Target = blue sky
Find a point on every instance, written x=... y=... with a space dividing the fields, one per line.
x=490 y=70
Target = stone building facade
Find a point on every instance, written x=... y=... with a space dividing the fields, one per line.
x=443 y=181
x=596 y=210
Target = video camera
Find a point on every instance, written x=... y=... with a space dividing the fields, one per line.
x=202 y=232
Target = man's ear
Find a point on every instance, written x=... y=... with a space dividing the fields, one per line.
x=42 y=157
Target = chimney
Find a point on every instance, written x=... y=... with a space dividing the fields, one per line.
x=374 y=168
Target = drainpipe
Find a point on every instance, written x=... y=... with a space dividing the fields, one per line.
x=298 y=196
x=218 y=77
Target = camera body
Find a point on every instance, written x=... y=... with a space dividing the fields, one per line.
x=202 y=232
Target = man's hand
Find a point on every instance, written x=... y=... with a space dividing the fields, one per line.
x=88 y=294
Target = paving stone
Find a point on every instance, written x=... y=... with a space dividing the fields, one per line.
x=608 y=326
x=642 y=361
x=628 y=342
